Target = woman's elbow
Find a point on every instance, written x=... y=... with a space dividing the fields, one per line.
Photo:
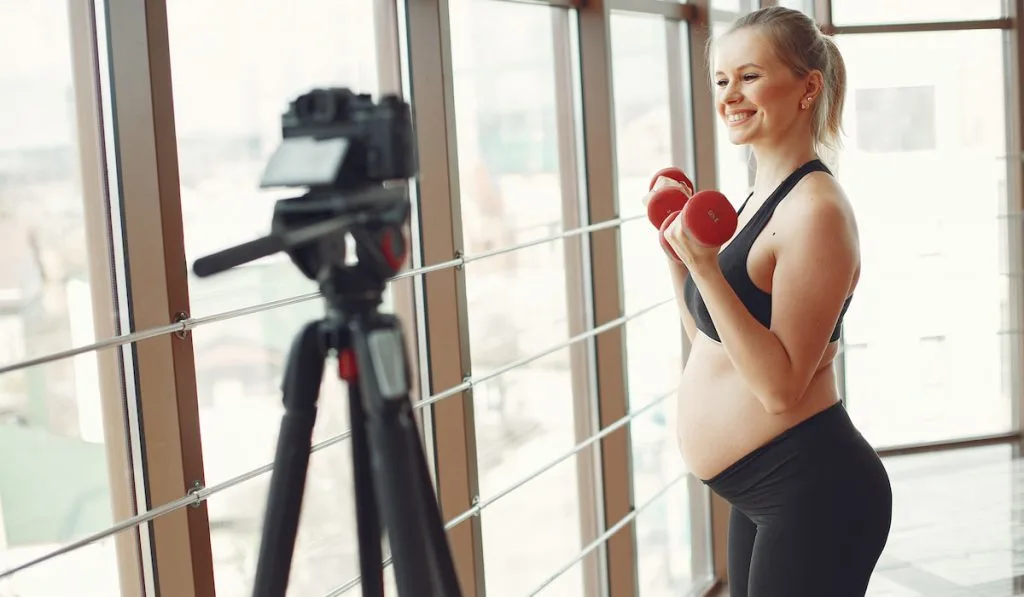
x=775 y=405
x=780 y=400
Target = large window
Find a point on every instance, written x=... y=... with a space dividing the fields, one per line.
x=64 y=472
x=653 y=339
x=925 y=341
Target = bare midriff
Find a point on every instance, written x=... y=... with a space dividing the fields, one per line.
x=720 y=420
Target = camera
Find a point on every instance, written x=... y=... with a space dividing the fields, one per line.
x=354 y=157
x=333 y=138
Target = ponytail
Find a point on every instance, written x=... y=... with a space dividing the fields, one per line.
x=831 y=129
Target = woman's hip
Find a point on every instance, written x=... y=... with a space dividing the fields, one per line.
x=821 y=463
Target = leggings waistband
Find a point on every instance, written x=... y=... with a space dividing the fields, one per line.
x=805 y=440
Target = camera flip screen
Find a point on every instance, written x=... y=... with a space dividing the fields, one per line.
x=305 y=161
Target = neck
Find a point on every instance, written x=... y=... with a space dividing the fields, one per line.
x=776 y=161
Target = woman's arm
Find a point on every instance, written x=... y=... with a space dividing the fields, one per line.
x=677 y=270
x=815 y=266
x=679 y=273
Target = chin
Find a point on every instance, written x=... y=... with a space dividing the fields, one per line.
x=740 y=138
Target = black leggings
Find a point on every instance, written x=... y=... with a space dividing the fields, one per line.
x=811 y=512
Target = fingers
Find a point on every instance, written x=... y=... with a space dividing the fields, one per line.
x=662 y=182
x=665 y=181
x=675 y=235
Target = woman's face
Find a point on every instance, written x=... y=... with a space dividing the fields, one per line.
x=757 y=96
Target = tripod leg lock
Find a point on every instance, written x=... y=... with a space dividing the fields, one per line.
x=387 y=352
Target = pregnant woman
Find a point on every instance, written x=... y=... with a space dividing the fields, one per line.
x=760 y=419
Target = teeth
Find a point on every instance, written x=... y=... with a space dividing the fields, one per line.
x=739 y=117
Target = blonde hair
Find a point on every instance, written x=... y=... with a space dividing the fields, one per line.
x=802 y=47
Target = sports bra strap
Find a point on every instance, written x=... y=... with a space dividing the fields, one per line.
x=765 y=212
x=744 y=204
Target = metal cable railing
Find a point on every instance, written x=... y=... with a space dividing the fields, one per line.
x=196 y=497
x=192 y=323
x=481 y=504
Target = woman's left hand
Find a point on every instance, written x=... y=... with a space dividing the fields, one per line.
x=697 y=258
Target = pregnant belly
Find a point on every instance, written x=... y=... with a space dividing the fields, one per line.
x=717 y=423
x=719 y=420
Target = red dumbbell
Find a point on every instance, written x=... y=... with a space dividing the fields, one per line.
x=708 y=215
x=710 y=218
x=668 y=199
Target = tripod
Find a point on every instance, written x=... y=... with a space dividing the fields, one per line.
x=392 y=483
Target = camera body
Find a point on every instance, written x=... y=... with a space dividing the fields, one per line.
x=355 y=158
x=335 y=139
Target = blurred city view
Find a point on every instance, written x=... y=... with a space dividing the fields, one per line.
x=928 y=334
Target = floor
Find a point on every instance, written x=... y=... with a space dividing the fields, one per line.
x=958 y=529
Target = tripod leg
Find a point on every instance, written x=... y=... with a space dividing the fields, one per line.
x=436 y=538
x=368 y=526
x=412 y=479
x=287 y=483
x=421 y=555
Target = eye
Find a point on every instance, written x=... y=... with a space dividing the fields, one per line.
x=750 y=77
x=721 y=82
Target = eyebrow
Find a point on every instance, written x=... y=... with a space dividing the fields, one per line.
x=743 y=66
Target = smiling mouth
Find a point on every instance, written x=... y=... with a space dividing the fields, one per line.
x=738 y=118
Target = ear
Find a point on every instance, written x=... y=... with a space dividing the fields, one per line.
x=814 y=83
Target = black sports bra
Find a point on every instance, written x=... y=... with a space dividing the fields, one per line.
x=733 y=261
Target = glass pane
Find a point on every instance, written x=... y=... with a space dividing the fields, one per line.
x=654 y=339
x=665 y=558
x=735 y=6
x=236 y=65
x=64 y=472
x=862 y=12
x=239 y=364
x=510 y=183
x=917 y=368
x=805 y=6
x=240 y=372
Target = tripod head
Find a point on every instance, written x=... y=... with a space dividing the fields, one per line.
x=354 y=157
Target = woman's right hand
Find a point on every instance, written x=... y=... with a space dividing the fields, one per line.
x=662 y=182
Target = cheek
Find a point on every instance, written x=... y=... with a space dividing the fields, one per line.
x=775 y=96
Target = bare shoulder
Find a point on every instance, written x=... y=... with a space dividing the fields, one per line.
x=818 y=210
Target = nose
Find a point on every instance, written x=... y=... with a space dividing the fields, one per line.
x=731 y=94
